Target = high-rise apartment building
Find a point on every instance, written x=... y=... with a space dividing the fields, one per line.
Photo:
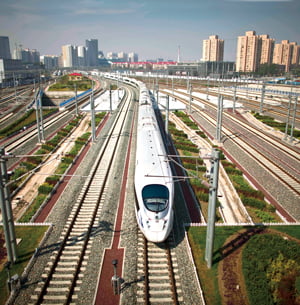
x=111 y=55
x=252 y=51
x=123 y=56
x=296 y=55
x=92 y=52
x=4 y=48
x=286 y=53
x=265 y=49
x=133 y=57
x=67 y=56
x=247 y=55
x=213 y=49
x=81 y=56
x=49 y=61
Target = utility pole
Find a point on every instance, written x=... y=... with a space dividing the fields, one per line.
x=167 y=117
x=93 y=118
x=263 y=91
x=219 y=118
x=157 y=93
x=188 y=82
x=288 y=117
x=37 y=115
x=172 y=86
x=118 y=86
x=6 y=209
x=213 y=190
x=41 y=115
x=293 y=119
x=110 y=100
x=207 y=90
x=76 y=103
x=234 y=98
x=190 y=99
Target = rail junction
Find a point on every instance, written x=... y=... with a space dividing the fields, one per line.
x=75 y=264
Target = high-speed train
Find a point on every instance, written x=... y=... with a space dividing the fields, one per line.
x=154 y=186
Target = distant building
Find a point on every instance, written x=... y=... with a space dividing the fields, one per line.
x=247 y=55
x=286 y=53
x=82 y=58
x=4 y=47
x=213 y=49
x=17 y=52
x=67 y=56
x=50 y=62
x=75 y=76
x=252 y=51
x=265 y=49
x=14 y=72
x=30 y=56
x=133 y=57
x=122 y=56
x=92 y=52
x=111 y=55
x=215 y=69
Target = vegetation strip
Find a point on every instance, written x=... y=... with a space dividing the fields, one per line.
x=270 y=263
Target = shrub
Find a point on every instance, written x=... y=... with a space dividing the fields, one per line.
x=260 y=255
x=47 y=147
x=45 y=188
x=67 y=160
x=35 y=159
x=233 y=171
x=33 y=208
x=52 y=180
x=18 y=172
x=253 y=202
x=264 y=216
x=29 y=166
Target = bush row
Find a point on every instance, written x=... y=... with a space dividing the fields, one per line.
x=27 y=120
x=278 y=125
x=32 y=162
x=47 y=187
x=271 y=265
x=250 y=197
x=186 y=119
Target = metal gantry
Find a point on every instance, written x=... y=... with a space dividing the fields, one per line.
x=212 y=201
x=6 y=209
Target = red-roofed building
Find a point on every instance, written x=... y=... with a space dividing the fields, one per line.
x=75 y=76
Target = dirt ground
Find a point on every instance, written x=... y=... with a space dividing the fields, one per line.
x=231 y=282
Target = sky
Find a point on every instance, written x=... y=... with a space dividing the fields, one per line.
x=151 y=28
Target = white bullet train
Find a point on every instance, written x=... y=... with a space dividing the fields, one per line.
x=154 y=186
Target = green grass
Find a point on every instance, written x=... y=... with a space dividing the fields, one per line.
x=25 y=250
x=209 y=277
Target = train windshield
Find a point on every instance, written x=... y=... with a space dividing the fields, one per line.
x=155 y=197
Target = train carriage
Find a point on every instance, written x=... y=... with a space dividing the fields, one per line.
x=154 y=187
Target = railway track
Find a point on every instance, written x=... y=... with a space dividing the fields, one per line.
x=276 y=106
x=232 y=210
x=64 y=273
x=270 y=153
x=13 y=143
x=157 y=265
x=267 y=159
x=287 y=157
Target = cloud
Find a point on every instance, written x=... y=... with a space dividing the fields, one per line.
x=260 y=0
x=102 y=11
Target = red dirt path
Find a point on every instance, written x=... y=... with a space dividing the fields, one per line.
x=105 y=295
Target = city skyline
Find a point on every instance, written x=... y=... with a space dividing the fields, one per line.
x=153 y=29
